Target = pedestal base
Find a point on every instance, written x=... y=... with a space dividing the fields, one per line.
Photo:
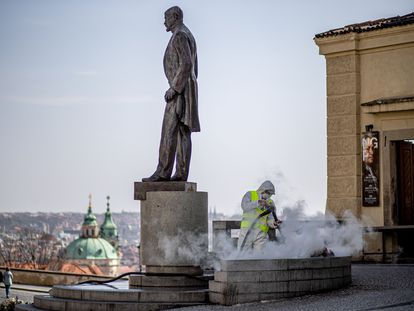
x=174 y=231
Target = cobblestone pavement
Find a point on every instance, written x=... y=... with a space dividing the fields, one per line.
x=21 y=294
x=374 y=287
x=24 y=292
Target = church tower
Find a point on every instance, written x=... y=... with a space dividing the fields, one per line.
x=109 y=230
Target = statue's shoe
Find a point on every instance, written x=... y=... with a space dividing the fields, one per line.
x=154 y=178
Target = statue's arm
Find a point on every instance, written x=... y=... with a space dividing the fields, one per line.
x=182 y=47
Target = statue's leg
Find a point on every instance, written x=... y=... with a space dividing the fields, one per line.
x=168 y=144
x=182 y=165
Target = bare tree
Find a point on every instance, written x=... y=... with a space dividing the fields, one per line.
x=30 y=247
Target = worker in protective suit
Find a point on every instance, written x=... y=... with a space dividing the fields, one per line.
x=259 y=214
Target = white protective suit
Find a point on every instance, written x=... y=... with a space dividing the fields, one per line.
x=257 y=237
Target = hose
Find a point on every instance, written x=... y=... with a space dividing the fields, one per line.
x=136 y=273
x=266 y=212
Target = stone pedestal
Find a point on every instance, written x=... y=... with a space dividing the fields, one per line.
x=244 y=280
x=174 y=227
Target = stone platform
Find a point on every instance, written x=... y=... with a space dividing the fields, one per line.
x=120 y=296
x=242 y=281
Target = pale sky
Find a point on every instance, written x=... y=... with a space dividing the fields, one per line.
x=82 y=86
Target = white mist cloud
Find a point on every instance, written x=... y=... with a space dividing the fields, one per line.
x=302 y=236
x=185 y=248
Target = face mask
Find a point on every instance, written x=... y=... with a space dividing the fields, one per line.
x=265 y=195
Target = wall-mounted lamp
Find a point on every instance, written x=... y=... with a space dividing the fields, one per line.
x=369 y=127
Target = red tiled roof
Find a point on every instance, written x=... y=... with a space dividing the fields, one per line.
x=75 y=268
x=370 y=25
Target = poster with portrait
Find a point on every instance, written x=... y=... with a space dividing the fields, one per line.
x=370 y=169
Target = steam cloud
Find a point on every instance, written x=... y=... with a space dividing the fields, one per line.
x=302 y=236
x=186 y=247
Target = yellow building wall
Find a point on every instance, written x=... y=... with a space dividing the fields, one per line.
x=387 y=72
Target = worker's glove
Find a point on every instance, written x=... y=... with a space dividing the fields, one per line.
x=277 y=223
x=262 y=203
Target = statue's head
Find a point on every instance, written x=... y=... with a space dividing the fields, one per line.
x=173 y=17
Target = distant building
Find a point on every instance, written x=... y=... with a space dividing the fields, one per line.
x=91 y=248
x=370 y=129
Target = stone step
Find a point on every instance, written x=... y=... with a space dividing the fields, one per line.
x=26 y=307
x=167 y=281
x=166 y=294
x=120 y=291
x=58 y=304
x=117 y=291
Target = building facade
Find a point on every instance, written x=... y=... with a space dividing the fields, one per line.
x=370 y=129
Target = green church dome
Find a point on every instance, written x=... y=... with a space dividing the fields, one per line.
x=90 y=248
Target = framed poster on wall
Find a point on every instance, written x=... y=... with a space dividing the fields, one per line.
x=370 y=169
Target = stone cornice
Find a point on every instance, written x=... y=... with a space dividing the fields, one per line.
x=355 y=42
x=394 y=104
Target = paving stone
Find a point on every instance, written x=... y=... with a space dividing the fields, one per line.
x=273 y=287
x=338 y=283
x=62 y=291
x=58 y=304
x=300 y=286
x=166 y=281
x=273 y=296
x=273 y=276
x=326 y=284
x=327 y=273
x=300 y=274
x=26 y=307
x=49 y=303
x=309 y=263
x=347 y=270
x=126 y=295
x=317 y=285
x=188 y=270
x=173 y=296
x=245 y=288
x=223 y=287
x=228 y=300
x=253 y=265
x=237 y=276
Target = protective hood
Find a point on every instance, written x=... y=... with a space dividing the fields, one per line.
x=267 y=185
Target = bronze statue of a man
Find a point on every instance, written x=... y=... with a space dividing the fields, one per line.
x=181 y=109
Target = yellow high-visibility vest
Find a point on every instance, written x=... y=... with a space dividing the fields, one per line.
x=249 y=218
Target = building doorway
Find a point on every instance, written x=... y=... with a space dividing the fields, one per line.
x=405 y=182
x=405 y=194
